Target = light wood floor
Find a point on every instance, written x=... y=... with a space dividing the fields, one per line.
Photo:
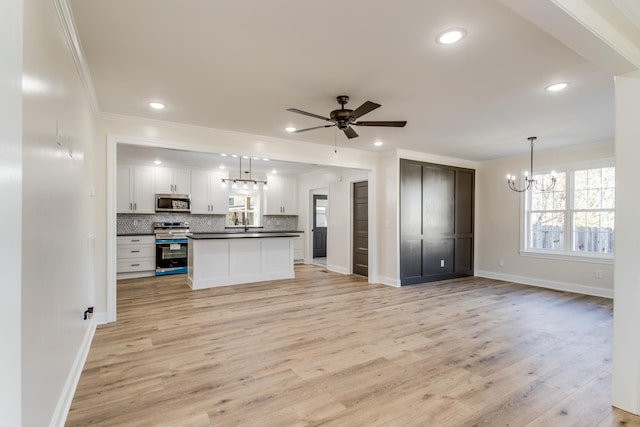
x=332 y=350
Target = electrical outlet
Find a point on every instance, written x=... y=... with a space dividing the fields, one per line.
x=500 y=262
x=598 y=274
x=441 y=263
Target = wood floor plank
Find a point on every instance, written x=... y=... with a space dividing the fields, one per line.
x=332 y=350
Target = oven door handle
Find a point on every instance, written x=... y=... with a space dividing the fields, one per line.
x=167 y=241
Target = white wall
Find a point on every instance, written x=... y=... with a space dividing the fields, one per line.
x=497 y=234
x=57 y=218
x=388 y=248
x=11 y=213
x=626 y=349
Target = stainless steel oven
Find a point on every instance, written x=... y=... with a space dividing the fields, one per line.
x=171 y=247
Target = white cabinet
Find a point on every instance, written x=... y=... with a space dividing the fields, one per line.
x=173 y=181
x=135 y=189
x=281 y=197
x=207 y=194
x=298 y=249
x=136 y=256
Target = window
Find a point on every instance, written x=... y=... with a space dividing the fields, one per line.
x=244 y=209
x=576 y=217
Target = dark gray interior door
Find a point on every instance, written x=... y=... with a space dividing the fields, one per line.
x=361 y=228
x=320 y=204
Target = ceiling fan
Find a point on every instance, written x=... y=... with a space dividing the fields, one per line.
x=344 y=118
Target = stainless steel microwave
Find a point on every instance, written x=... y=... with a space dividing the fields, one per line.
x=173 y=203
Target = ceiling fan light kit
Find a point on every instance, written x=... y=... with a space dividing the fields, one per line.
x=344 y=118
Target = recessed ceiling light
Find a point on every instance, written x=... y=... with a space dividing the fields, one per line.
x=274 y=171
x=378 y=143
x=221 y=167
x=556 y=87
x=223 y=155
x=451 y=36
x=157 y=162
x=157 y=105
x=290 y=129
x=266 y=160
x=234 y=155
x=245 y=157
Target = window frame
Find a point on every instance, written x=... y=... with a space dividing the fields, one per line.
x=568 y=253
x=257 y=212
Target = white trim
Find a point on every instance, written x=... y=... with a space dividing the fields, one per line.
x=602 y=27
x=338 y=269
x=68 y=25
x=66 y=397
x=112 y=246
x=568 y=256
x=569 y=169
x=100 y=318
x=388 y=281
x=549 y=284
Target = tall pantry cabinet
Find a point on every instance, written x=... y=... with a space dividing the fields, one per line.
x=436 y=222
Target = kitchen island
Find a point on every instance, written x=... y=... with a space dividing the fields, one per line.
x=222 y=259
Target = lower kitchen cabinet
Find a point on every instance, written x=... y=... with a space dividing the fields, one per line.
x=298 y=249
x=136 y=256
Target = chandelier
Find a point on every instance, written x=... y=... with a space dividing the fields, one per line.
x=530 y=182
x=245 y=182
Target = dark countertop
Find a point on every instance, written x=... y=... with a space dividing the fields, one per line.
x=240 y=235
x=253 y=230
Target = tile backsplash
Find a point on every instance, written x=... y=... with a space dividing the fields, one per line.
x=143 y=224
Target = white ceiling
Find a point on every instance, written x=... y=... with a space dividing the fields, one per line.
x=238 y=65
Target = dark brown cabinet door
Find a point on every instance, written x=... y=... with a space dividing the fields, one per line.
x=361 y=228
x=436 y=222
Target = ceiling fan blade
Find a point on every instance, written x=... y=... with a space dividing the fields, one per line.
x=316 y=127
x=397 y=124
x=364 y=109
x=350 y=133
x=295 y=110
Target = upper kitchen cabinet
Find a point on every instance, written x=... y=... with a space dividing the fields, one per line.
x=135 y=189
x=281 y=196
x=173 y=181
x=208 y=196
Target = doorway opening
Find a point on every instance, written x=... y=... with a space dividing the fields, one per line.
x=319 y=230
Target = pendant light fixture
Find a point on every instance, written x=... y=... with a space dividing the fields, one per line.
x=245 y=181
x=529 y=181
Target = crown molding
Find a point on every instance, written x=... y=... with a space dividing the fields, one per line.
x=604 y=26
x=71 y=35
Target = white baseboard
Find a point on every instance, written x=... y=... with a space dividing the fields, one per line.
x=338 y=269
x=389 y=281
x=64 y=403
x=549 y=284
x=100 y=318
